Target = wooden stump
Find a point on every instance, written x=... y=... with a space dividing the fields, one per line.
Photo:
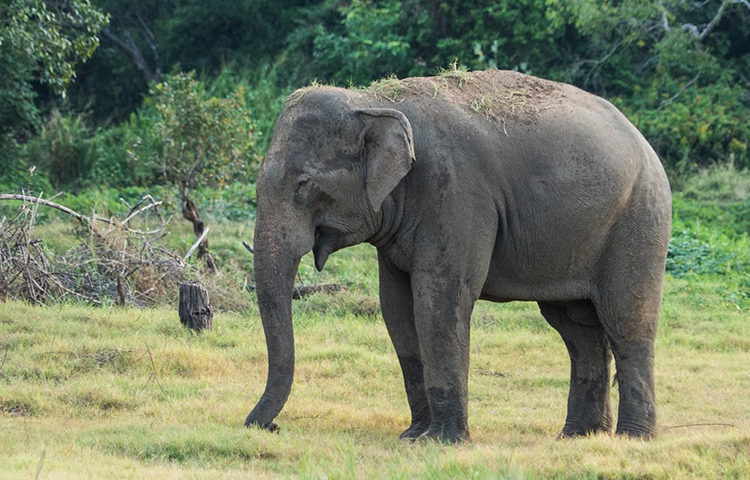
x=195 y=311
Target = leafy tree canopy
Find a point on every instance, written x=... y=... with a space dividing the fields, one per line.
x=41 y=42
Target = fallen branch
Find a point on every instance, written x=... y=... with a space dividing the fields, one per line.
x=701 y=425
x=115 y=263
x=40 y=200
x=83 y=218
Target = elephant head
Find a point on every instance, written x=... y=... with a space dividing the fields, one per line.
x=332 y=163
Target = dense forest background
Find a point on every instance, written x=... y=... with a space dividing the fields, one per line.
x=123 y=94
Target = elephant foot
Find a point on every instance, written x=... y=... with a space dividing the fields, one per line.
x=574 y=429
x=270 y=426
x=581 y=432
x=415 y=430
x=637 y=419
x=445 y=433
x=635 y=430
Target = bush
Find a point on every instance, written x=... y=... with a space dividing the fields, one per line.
x=703 y=126
x=369 y=43
x=62 y=150
x=711 y=225
x=196 y=139
x=264 y=93
x=115 y=165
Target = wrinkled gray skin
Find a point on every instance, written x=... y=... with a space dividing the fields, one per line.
x=495 y=186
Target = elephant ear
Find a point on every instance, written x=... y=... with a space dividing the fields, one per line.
x=388 y=150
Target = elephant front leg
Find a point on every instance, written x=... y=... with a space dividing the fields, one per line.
x=397 y=305
x=442 y=312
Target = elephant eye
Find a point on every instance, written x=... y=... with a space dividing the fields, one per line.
x=301 y=184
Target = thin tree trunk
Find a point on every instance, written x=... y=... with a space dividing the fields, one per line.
x=190 y=212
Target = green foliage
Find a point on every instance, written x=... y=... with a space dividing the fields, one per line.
x=678 y=69
x=264 y=92
x=67 y=153
x=248 y=32
x=202 y=139
x=356 y=42
x=702 y=126
x=690 y=255
x=115 y=165
x=41 y=41
x=711 y=232
x=367 y=43
x=62 y=150
x=17 y=175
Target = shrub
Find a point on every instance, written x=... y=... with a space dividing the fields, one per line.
x=704 y=125
x=199 y=139
x=711 y=225
x=62 y=150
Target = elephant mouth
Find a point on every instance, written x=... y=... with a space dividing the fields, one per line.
x=326 y=242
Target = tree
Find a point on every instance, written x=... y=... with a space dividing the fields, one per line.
x=133 y=35
x=680 y=70
x=202 y=141
x=41 y=41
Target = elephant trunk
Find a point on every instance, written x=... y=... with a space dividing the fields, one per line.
x=275 y=268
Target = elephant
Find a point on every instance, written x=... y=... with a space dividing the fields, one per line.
x=491 y=185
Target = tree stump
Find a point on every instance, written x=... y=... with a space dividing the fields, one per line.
x=195 y=311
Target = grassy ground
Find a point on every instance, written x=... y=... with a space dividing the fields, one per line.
x=128 y=393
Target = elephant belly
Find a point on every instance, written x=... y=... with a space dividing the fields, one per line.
x=508 y=290
x=558 y=266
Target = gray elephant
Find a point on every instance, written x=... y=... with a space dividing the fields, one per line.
x=487 y=185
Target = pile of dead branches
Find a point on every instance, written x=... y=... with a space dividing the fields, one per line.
x=120 y=261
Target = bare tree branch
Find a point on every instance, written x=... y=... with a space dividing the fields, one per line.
x=129 y=47
x=39 y=200
x=684 y=87
x=82 y=218
x=715 y=21
x=126 y=42
x=711 y=25
x=196 y=244
x=151 y=41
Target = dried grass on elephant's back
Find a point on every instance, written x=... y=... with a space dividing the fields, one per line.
x=502 y=95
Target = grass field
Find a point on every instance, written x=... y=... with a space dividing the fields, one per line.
x=128 y=393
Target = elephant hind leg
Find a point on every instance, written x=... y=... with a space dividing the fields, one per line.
x=628 y=303
x=631 y=329
x=590 y=357
x=631 y=335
